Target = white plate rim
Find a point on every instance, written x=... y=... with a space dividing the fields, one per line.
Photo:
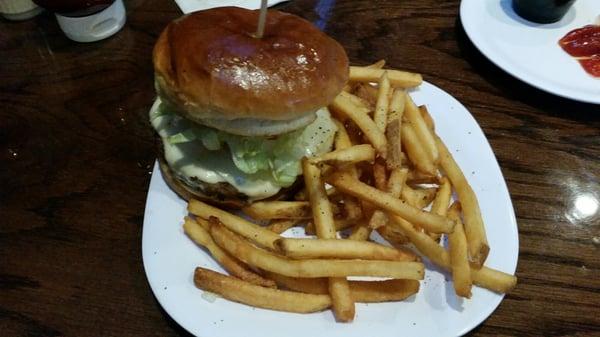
x=479 y=41
x=166 y=303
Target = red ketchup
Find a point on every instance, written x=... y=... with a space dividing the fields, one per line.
x=584 y=45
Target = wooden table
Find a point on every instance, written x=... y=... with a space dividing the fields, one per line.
x=77 y=150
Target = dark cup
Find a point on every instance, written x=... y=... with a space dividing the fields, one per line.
x=542 y=11
x=74 y=8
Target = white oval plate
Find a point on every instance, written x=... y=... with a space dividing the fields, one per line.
x=170 y=257
x=529 y=51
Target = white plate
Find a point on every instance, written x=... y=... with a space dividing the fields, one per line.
x=530 y=51
x=170 y=257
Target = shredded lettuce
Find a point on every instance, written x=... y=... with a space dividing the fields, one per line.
x=161 y=111
x=183 y=137
x=279 y=157
x=210 y=139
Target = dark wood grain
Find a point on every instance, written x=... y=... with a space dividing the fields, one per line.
x=76 y=150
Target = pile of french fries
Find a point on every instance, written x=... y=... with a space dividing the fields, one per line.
x=389 y=173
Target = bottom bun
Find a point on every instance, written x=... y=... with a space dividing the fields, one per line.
x=220 y=194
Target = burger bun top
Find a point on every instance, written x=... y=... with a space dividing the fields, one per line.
x=209 y=65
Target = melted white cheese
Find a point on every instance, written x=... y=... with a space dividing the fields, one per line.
x=191 y=160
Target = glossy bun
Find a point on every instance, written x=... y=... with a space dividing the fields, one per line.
x=209 y=65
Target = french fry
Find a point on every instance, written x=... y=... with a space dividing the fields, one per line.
x=383 y=291
x=394 y=187
x=360 y=233
x=417 y=177
x=345 y=105
x=240 y=291
x=367 y=93
x=301 y=195
x=393 y=236
x=485 y=277
x=408 y=195
x=380 y=176
x=473 y=223
x=347 y=156
x=263 y=259
x=363 y=103
x=341 y=298
x=378 y=219
x=205 y=224
x=367 y=208
x=362 y=291
x=418 y=198
x=377 y=65
x=393 y=134
x=442 y=198
x=354 y=132
x=200 y=235
x=431 y=249
x=412 y=114
x=315 y=285
x=340 y=225
x=247 y=229
x=494 y=280
x=393 y=131
x=343 y=305
x=415 y=151
x=340 y=249
x=266 y=210
x=430 y=222
x=397 y=181
x=342 y=139
x=350 y=87
x=424 y=196
x=397 y=105
x=352 y=209
x=459 y=259
x=397 y=78
x=427 y=118
x=441 y=201
x=380 y=115
x=319 y=203
x=281 y=225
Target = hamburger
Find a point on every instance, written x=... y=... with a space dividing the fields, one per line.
x=235 y=114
